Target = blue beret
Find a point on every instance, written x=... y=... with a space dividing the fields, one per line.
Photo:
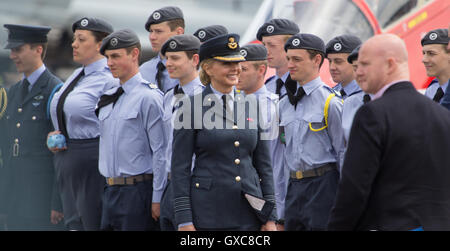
x=438 y=36
x=353 y=55
x=209 y=32
x=222 y=48
x=183 y=42
x=92 y=24
x=22 y=34
x=254 y=52
x=305 y=41
x=277 y=27
x=164 y=14
x=343 y=44
x=118 y=40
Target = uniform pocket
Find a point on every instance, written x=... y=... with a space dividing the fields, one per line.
x=315 y=135
x=315 y=120
x=130 y=115
x=105 y=112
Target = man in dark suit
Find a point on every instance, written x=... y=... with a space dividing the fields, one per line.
x=446 y=99
x=28 y=164
x=396 y=173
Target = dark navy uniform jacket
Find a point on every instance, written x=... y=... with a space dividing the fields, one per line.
x=229 y=163
x=28 y=162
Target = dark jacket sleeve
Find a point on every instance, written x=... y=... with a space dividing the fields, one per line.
x=360 y=168
x=182 y=151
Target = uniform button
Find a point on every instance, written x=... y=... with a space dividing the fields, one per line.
x=33 y=118
x=237 y=161
x=238 y=178
x=235 y=127
x=18 y=125
x=16 y=141
x=236 y=143
x=19 y=110
x=197 y=185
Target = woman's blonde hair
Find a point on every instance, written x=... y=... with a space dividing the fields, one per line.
x=204 y=77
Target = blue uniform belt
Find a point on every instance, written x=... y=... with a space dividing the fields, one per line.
x=319 y=171
x=120 y=181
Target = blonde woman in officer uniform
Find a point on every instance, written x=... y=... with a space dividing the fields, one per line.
x=231 y=186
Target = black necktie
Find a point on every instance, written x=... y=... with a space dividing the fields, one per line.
x=25 y=86
x=343 y=93
x=159 y=73
x=439 y=94
x=366 y=98
x=177 y=90
x=291 y=88
x=108 y=99
x=299 y=96
x=224 y=105
x=279 y=85
x=60 y=105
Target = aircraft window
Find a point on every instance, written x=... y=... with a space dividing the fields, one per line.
x=388 y=11
x=328 y=18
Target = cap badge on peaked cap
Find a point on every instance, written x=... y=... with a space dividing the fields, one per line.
x=232 y=43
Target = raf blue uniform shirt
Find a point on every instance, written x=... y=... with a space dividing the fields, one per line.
x=271 y=84
x=270 y=121
x=433 y=87
x=79 y=106
x=149 y=70
x=306 y=149
x=190 y=89
x=349 y=89
x=351 y=106
x=132 y=139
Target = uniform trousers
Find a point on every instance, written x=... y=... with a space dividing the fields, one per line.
x=80 y=184
x=167 y=219
x=309 y=202
x=128 y=208
x=30 y=195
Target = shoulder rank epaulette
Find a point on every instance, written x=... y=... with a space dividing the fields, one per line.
x=153 y=86
x=269 y=79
